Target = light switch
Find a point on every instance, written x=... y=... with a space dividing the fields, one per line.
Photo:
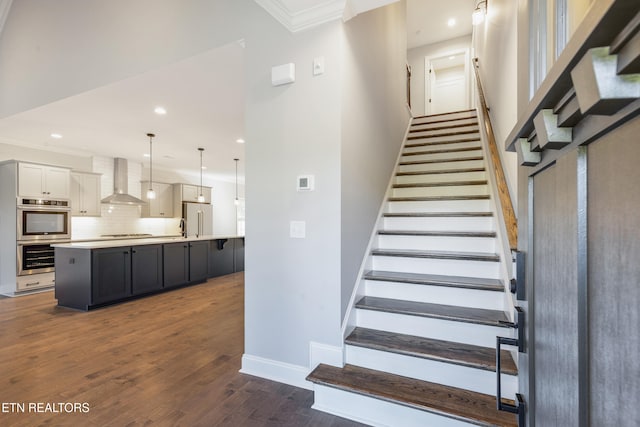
x=318 y=65
x=297 y=229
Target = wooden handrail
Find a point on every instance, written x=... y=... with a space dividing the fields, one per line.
x=508 y=213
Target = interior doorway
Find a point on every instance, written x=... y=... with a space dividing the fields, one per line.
x=447 y=82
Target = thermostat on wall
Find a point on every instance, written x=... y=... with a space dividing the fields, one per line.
x=305 y=183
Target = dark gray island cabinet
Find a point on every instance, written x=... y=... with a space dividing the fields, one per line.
x=92 y=275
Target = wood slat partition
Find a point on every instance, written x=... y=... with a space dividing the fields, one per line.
x=506 y=204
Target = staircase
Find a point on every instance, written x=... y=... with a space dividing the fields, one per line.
x=423 y=349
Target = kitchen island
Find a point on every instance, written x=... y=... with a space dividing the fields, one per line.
x=97 y=273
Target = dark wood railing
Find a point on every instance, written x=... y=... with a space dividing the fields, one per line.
x=506 y=204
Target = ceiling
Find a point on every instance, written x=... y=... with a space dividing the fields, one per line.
x=427 y=20
x=204 y=99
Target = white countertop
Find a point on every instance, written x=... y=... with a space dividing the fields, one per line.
x=118 y=243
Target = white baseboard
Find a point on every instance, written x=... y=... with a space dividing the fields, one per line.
x=274 y=370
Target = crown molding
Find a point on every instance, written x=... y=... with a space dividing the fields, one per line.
x=5 y=5
x=303 y=19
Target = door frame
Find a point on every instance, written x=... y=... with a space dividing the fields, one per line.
x=427 y=76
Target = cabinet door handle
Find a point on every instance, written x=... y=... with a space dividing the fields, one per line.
x=32 y=284
x=133 y=252
x=125 y=252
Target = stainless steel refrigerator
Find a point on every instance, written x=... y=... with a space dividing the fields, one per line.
x=198 y=218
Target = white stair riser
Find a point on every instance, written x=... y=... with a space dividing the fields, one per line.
x=420 y=123
x=445 y=128
x=439 y=223
x=464 y=377
x=472 y=132
x=439 y=329
x=447 y=295
x=449 y=146
x=447 y=190
x=376 y=412
x=441 y=177
x=418 y=139
x=440 y=156
x=438 y=243
x=450 y=116
x=463 y=164
x=475 y=205
x=482 y=269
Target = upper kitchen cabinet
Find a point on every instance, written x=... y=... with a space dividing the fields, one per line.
x=190 y=193
x=42 y=181
x=162 y=205
x=85 y=194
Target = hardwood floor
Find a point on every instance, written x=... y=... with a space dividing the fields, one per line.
x=167 y=360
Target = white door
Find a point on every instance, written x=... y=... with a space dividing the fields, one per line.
x=447 y=83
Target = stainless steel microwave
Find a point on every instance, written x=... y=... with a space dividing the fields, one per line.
x=43 y=220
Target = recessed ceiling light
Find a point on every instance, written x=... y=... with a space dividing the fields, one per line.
x=56 y=136
x=451 y=22
x=160 y=110
x=146 y=155
x=240 y=141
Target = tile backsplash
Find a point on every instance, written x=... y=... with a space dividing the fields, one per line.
x=120 y=219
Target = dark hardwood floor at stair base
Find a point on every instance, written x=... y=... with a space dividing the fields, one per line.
x=166 y=360
x=444 y=351
x=436 y=280
x=439 y=311
x=448 y=401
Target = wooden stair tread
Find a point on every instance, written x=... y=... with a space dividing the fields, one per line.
x=442 y=151
x=443 y=121
x=441 y=134
x=447 y=401
x=436 y=280
x=439 y=198
x=414 y=253
x=440 y=127
x=442 y=184
x=472 y=356
x=480 y=234
x=452 y=159
x=454 y=313
x=426 y=116
x=443 y=171
x=428 y=144
x=436 y=214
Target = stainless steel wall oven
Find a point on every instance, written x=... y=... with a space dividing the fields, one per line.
x=39 y=219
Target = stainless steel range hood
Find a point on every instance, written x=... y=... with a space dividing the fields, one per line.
x=120 y=194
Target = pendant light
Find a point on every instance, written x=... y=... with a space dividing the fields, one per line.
x=151 y=194
x=200 y=197
x=236 y=201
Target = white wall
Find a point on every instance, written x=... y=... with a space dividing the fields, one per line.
x=495 y=45
x=415 y=58
x=374 y=121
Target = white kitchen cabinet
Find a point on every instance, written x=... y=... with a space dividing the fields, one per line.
x=190 y=193
x=85 y=194
x=43 y=181
x=162 y=205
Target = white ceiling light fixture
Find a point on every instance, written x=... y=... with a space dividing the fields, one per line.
x=240 y=141
x=451 y=22
x=480 y=12
x=151 y=194
x=200 y=196
x=56 y=136
x=161 y=111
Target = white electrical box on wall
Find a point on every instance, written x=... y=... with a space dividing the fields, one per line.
x=305 y=183
x=283 y=74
